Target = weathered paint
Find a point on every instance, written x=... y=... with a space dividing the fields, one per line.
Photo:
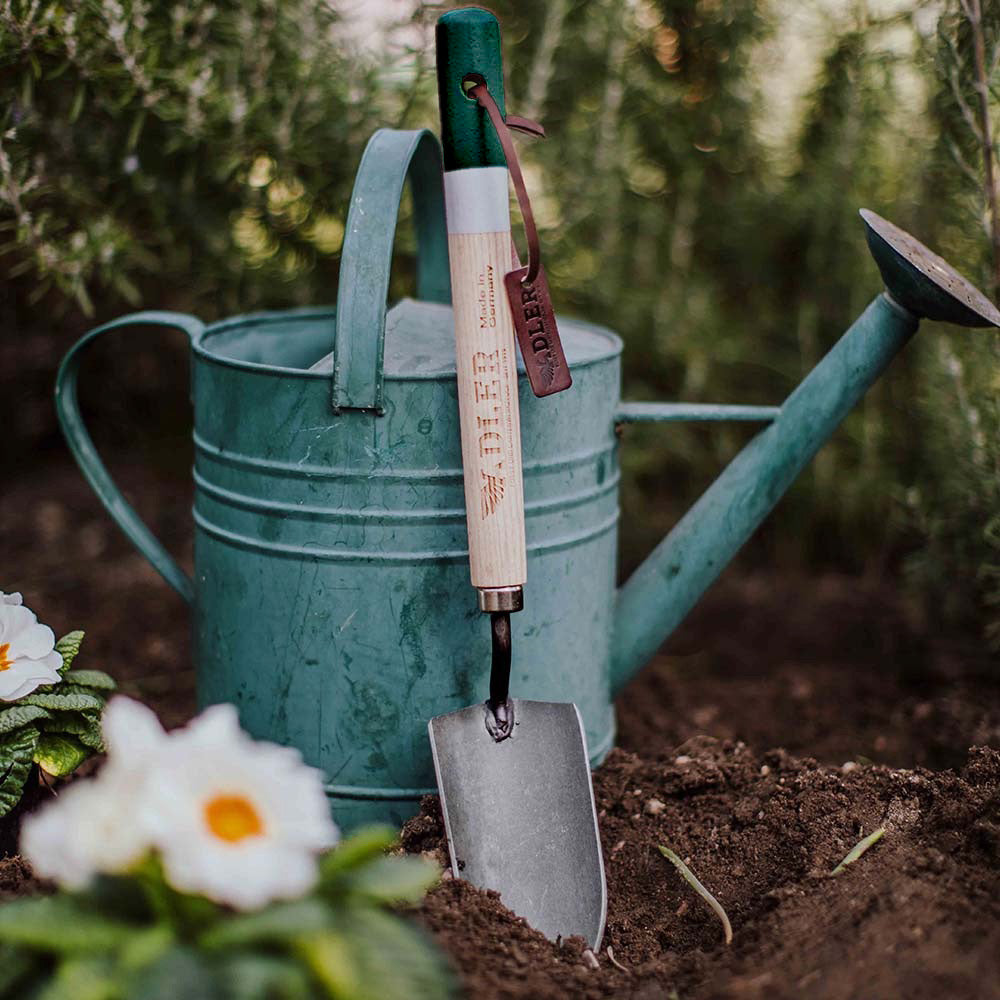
x=331 y=596
x=333 y=603
x=660 y=593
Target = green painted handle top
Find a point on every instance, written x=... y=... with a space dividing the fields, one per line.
x=468 y=44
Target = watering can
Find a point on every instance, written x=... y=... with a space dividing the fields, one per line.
x=331 y=601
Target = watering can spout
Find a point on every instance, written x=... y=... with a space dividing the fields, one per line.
x=662 y=590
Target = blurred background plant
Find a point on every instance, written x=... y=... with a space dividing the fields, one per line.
x=698 y=193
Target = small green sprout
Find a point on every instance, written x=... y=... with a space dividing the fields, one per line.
x=858 y=849
x=692 y=880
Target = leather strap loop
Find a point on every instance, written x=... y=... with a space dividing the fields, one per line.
x=482 y=94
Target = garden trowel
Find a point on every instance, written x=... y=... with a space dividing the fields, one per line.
x=513 y=775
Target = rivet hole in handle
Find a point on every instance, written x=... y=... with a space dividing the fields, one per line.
x=390 y=157
x=93 y=469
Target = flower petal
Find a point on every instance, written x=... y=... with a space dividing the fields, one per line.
x=23 y=676
x=50 y=838
x=13 y=619
x=53 y=661
x=33 y=641
x=131 y=730
x=246 y=878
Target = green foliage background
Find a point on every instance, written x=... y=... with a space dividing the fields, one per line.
x=693 y=194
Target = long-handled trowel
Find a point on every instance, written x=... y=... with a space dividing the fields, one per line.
x=513 y=775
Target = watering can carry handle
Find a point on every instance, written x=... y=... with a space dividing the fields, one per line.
x=390 y=157
x=93 y=469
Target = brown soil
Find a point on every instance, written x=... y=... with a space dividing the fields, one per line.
x=916 y=916
x=834 y=670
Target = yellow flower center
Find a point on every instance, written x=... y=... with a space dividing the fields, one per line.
x=233 y=818
x=5 y=662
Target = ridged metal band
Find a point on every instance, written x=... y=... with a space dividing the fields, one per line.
x=501 y=598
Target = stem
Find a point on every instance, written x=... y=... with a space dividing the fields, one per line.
x=692 y=880
x=974 y=15
x=858 y=849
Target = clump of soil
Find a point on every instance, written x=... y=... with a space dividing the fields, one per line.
x=17 y=879
x=918 y=915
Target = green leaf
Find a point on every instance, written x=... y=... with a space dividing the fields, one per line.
x=60 y=924
x=248 y=976
x=180 y=973
x=333 y=962
x=77 y=700
x=68 y=646
x=91 y=679
x=17 y=751
x=146 y=947
x=16 y=965
x=278 y=923
x=367 y=843
x=77 y=106
x=393 y=880
x=20 y=715
x=374 y=955
x=82 y=978
x=122 y=895
x=86 y=728
x=59 y=755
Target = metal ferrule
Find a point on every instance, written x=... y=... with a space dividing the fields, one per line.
x=501 y=598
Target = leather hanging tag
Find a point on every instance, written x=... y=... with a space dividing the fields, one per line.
x=535 y=328
x=527 y=287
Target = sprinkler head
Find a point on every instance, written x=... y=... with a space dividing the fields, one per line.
x=921 y=281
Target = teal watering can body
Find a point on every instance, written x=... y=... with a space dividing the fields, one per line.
x=331 y=594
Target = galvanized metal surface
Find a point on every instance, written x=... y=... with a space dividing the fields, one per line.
x=367 y=255
x=82 y=447
x=923 y=282
x=660 y=593
x=331 y=598
x=656 y=413
x=520 y=815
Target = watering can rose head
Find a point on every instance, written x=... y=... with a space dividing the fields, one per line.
x=237 y=821
x=28 y=657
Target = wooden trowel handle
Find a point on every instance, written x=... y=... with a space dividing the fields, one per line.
x=479 y=248
x=488 y=406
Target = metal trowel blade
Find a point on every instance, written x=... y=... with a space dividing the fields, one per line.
x=520 y=814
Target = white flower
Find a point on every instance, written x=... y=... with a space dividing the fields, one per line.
x=238 y=821
x=27 y=650
x=101 y=825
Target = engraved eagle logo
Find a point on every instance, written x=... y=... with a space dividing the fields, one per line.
x=490 y=494
x=548 y=371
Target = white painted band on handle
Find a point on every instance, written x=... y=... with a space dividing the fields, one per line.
x=477 y=200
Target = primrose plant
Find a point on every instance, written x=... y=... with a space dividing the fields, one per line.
x=202 y=863
x=53 y=716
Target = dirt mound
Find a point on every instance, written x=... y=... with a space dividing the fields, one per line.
x=832 y=668
x=918 y=915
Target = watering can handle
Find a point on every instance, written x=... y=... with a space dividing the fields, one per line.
x=93 y=469
x=389 y=158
